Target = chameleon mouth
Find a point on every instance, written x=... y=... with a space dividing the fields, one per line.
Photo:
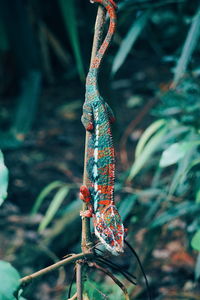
x=115 y=249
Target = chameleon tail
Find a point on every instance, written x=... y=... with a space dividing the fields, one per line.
x=110 y=6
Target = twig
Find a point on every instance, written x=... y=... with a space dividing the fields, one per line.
x=27 y=279
x=107 y=272
x=79 y=285
x=73 y=297
x=86 y=234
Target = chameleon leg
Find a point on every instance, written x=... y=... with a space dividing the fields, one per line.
x=87 y=117
x=86 y=197
x=110 y=113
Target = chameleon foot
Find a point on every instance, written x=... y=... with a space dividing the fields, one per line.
x=86 y=197
x=86 y=214
x=85 y=194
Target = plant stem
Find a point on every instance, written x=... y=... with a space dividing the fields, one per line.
x=87 y=242
x=79 y=285
x=55 y=266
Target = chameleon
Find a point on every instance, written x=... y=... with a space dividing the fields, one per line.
x=97 y=118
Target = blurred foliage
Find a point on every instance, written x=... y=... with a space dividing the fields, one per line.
x=3 y=179
x=62 y=192
x=174 y=141
x=10 y=282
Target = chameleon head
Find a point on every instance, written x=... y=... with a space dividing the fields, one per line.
x=109 y=229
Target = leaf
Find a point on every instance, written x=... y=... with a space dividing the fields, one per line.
x=181 y=209
x=126 y=206
x=198 y=196
x=68 y=10
x=196 y=241
x=47 y=190
x=181 y=173
x=197 y=268
x=188 y=48
x=147 y=134
x=175 y=153
x=53 y=207
x=9 y=281
x=129 y=40
x=3 y=179
x=147 y=152
x=27 y=104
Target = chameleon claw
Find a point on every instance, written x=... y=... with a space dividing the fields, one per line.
x=84 y=194
x=86 y=214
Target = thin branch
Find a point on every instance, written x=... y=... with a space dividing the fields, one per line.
x=107 y=272
x=27 y=279
x=79 y=285
x=73 y=297
x=86 y=234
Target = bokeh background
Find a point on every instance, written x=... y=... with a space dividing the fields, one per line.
x=150 y=78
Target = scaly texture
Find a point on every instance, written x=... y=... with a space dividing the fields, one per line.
x=100 y=161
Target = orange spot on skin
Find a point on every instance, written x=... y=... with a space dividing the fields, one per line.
x=105 y=189
x=104 y=202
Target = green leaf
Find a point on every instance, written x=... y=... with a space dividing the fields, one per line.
x=3 y=179
x=54 y=206
x=175 y=153
x=126 y=206
x=196 y=241
x=27 y=103
x=181 y=209
x=147 y=134
x=129 y=40
x=48 y=189
x=147 y=152
x=9 y=281
x=68 y=10
x=188 y=48
x=182 y=171
x=198 y=196
x=197 y=268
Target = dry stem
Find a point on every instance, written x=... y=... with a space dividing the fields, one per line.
x=55 y=266
x=107 y=272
